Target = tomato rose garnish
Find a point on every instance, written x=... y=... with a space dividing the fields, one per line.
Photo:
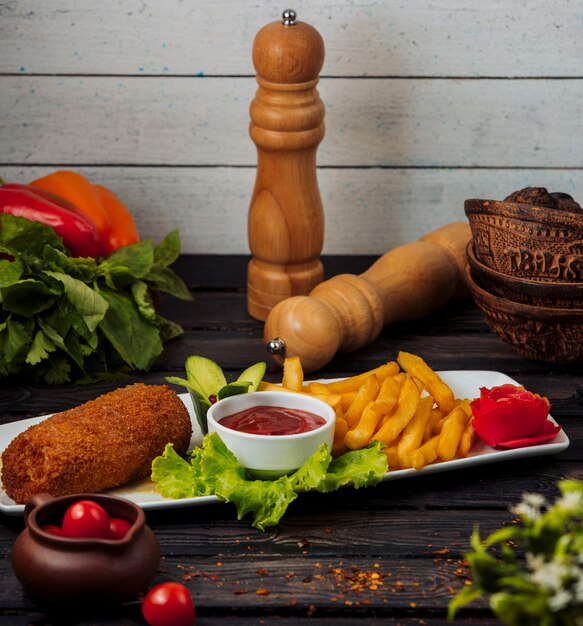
x=509 y=416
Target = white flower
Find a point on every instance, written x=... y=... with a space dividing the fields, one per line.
x=530 y=507
x=578 y=586
x=534 y=499
x=559 y=600
x=549 y=575
x=571 y=501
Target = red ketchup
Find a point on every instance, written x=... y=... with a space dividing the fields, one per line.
x=273 y=420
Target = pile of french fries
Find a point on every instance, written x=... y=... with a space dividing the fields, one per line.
x=404 y=404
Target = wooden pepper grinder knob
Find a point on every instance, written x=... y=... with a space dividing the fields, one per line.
x=286 y=219
x=348 y=311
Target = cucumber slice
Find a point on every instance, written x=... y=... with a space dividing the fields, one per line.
x=200 y=402
x=175 y=380
x=233 y=389
x=205 y=375
x=254 y=375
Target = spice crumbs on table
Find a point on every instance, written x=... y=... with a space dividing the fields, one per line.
x=263 y=571
x=262 y=592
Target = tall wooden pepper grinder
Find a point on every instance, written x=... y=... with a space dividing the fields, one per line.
x=286 y=219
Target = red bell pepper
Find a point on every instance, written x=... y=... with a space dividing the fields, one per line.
x=77 y=231
x=111 y=217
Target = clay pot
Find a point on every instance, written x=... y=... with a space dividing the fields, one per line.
x=533 y=242
x=539 y=333
x=60 y=569
x=539 y=293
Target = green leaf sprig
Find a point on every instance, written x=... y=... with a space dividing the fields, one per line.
x=66 y=319
x=532 y=573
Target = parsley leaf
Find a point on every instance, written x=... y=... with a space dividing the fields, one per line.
x=64 y=318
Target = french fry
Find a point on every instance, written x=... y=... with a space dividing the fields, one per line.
x=346 y=399
x=353 y=383
x=400 y=378
x=426 y=454
x=293 y=373
x=404 y=404
x=267 y=386
x=316 y=387
x=399 y=381
x=466 y=440
x=392 y=459
x=338 y=447
x=367 y=392
x=415 y=366
x=431 y=427
x=341 y=426
x=412 y=435
x=332 y=399
x=402 y=415
x=359 y=436
x=340 y=430
x=420 y=384
x=388 y=396
x=465 y=405
x=451 y=433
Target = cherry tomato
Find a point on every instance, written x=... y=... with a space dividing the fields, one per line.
x=86 y=519
x=118 y=528
x=168 y=604
x=52 y=529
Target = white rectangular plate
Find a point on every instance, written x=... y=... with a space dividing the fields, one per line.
x=464 y=384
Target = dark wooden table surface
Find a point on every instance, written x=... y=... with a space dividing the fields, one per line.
x=412 y=533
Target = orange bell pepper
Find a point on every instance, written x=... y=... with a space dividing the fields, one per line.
x=123 y=228
x=112 y=219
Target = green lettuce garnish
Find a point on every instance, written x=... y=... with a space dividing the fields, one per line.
x=214 y=469
x=66 y=319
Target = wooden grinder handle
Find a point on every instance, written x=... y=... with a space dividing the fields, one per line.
x=348 y=311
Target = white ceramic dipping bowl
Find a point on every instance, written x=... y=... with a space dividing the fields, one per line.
x=272 y=456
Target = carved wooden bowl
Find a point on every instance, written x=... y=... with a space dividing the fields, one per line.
x=539 y=333
x=539 y=293
x=526 y=241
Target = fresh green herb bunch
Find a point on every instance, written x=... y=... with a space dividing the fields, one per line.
x=68 y=319
x=535 y=576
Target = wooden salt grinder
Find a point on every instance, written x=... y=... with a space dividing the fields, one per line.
x=348 y=311
x=286 y=219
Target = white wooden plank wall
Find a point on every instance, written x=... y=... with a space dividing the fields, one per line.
x=427 y=104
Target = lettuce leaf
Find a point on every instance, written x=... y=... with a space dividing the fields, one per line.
x=176 y=477
x=360 y=468
x=214 y=469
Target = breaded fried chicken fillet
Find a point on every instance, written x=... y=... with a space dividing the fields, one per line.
x=96 y=446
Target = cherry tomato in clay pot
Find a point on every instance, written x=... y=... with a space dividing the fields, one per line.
x=86 y=519
x=118 y=528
